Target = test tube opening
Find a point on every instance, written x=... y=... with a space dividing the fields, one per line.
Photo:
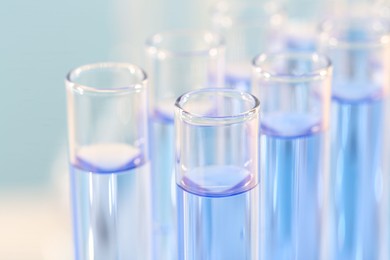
x=358 y=45
x=106 y=77
x=184 y=43
x=355 y=32
x=102 y=95
x=215 y=129
x=243 y=14
x=294 y=89
x=292 y=67
x=213 y=106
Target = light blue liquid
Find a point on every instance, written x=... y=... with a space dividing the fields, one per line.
x=357 y=180
x=238 y=75
x=293 y=172
x=164 y=200
x=301 y=44
x=238 y=82
x=218 y=220
x=111 y=205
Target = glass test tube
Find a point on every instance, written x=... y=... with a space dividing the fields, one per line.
x=109 y=161
x=294 y=90
x=178 y=61
x=301 y=27
x=249 y=28
x=359 y=47
x=217 y=174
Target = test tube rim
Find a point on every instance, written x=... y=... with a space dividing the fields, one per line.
x=204 y=120
x=151 y=44
x=327 y=27
x=222 y=8
x=315 y=75
x=125 y=89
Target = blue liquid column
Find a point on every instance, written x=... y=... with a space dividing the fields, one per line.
x=359 y=48
x=294 y=91
x=178 y=61
x=217 y=175
x=249 y=28
x=109 y=162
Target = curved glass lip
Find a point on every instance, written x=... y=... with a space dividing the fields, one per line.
x=151 y=43
x=327 y=27
x=71 y=80
x=203 y=120
x=318 y=74
x=233 y=9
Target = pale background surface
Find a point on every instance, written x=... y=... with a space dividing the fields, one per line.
x=41 y=41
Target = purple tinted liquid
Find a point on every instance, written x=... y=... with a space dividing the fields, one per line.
x=293 y=169
x=163 y=185
x=111 y=210
x=218 y=225
x=357 y=179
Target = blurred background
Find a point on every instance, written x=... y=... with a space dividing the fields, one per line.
x=41 y=41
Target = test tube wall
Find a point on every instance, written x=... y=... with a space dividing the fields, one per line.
x=249 y=28
x=294 y=91
x=178 y=61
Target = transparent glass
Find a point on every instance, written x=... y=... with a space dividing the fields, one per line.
x=294 y=90
x=217 y=153
x=109 y=161
x=359 y=47
x=178 y=61
x=300 y=29
x=249 y=28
